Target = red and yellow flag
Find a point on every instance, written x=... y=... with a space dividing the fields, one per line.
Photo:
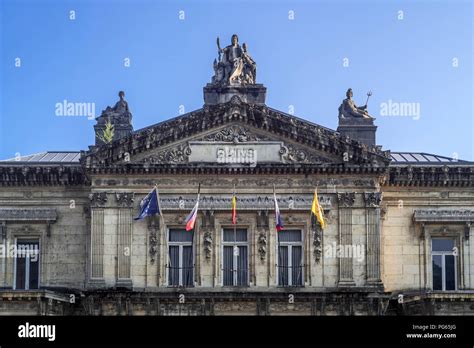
x=234 y=209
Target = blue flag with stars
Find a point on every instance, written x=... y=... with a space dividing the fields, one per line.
x=149 y=205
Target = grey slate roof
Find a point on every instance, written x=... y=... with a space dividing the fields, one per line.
x=48 y=157
x=422 y=158
x=72 y=157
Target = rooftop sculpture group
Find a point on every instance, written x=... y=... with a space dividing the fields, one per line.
x=235 y=66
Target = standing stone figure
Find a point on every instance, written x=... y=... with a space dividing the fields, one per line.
x=348 y=108
x=235 y=66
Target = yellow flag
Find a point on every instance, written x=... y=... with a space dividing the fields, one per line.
x=317 y=210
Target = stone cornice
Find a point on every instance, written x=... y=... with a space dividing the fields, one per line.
x=41 y=175
x=434 y=215
x=27 y=214
x=230 y=169
x=436 y=175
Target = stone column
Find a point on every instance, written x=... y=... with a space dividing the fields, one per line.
x=152 y=267
x=372 y=204
x=262 y=263
x=124 y=238
x=346 y=201
x=98 y=201
x=208 y=237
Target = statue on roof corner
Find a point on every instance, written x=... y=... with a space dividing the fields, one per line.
x=120 y=110
x=349 y=109
x=235 y=66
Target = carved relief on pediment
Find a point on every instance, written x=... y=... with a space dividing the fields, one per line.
x=235 y=134
x=234 y=141
x=177 y=154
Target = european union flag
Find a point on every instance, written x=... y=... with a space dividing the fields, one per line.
x=149 y=205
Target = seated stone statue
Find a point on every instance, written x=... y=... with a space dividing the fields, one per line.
x=349 y=109
x=119 y=111
x=235 y=66
x=121 y=106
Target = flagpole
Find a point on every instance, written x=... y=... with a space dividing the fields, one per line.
x=159 y=203
x=235 y=225
x=194 y=232
x=235 y=240
x=277 y=236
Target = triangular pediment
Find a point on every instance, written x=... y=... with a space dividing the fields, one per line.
x=251 y=134
x=235 y=143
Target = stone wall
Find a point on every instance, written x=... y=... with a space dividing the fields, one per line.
x=406 y=261
x=63 y=244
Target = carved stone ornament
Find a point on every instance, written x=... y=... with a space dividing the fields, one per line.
x=346 y=199
x=153 y=228
x=262 y=245
x=235 y=134
x=98 y=199
x=177 y=154
x=125 y=199
x=317 y=239
x=373 y=199
x=207 y=243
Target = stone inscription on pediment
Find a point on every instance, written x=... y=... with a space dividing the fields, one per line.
x=227 y=152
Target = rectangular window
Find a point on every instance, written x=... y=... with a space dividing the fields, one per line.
x=180 y=258
x=444 y=254
x=27 y=265
x=235 y=256
x=290 y=265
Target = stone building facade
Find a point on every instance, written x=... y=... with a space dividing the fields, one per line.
x=397 y=239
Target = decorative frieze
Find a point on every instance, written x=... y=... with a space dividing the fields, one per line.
x=279 y=181
x=438 y=215
x=454 y=174
x=28 y=214
x=246 y=202
x=33 y=175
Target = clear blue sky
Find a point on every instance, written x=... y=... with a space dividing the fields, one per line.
x=300 y=62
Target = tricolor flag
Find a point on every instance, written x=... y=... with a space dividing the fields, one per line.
x=278 y=220
x=317 y=210
x=191 y=219
x=149 y=205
